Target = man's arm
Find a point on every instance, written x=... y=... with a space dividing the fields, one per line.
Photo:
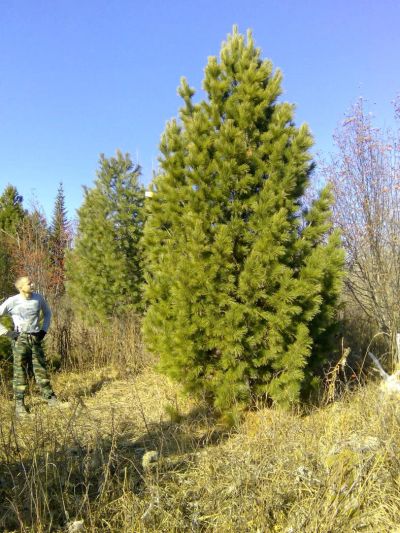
x=4 y=310
x=46 y=314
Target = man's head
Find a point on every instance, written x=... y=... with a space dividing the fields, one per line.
x=24 y=285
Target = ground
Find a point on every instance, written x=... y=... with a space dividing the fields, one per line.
x=134 y=454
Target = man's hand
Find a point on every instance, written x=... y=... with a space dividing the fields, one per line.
x=41 y=334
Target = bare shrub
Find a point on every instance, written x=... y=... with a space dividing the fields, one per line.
x=365 y=174
x=30 y=251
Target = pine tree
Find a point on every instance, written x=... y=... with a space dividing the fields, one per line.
x=11 y=209
x=242 y=281
x=104 y=270
x=11 y=215
x=60 y=238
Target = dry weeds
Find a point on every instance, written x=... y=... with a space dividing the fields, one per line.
x=134 y=455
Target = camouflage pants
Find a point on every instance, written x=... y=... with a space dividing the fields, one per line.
x=28 y=350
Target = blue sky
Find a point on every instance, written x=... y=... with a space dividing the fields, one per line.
x=80 y=78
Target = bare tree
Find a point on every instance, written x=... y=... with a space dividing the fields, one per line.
x=365 y=174
x=30 y=251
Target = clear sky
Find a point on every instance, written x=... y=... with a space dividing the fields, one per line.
x=84 y=77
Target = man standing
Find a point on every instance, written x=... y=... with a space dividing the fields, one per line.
x=26 y=310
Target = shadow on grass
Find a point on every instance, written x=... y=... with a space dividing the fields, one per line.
x=54 y=478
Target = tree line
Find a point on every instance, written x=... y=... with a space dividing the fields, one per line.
x=236 y=273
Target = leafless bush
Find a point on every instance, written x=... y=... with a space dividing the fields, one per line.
x=365 y=174
x=30 y=250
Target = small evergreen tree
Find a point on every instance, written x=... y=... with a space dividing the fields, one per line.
x=104 y=268
x=60 y=238
x=11 y=210
x=242 y=281
x=11 y=215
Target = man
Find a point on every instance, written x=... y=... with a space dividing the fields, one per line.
x=26 y=310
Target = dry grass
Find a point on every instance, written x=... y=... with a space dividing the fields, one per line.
x=86 y=466
x=73 y=345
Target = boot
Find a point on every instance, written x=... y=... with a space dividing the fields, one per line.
x=20 y=408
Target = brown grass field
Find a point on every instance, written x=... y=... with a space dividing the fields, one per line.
x=133 y=454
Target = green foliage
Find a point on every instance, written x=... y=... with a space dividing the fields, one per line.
x=11 y=216
x=104 y=268
x=242 y=280
x=5 y=343
x=11 y=210
x=6 y=278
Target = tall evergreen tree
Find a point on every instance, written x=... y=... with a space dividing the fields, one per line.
x=60 y=238
x=241 y=280
x=104 y=269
